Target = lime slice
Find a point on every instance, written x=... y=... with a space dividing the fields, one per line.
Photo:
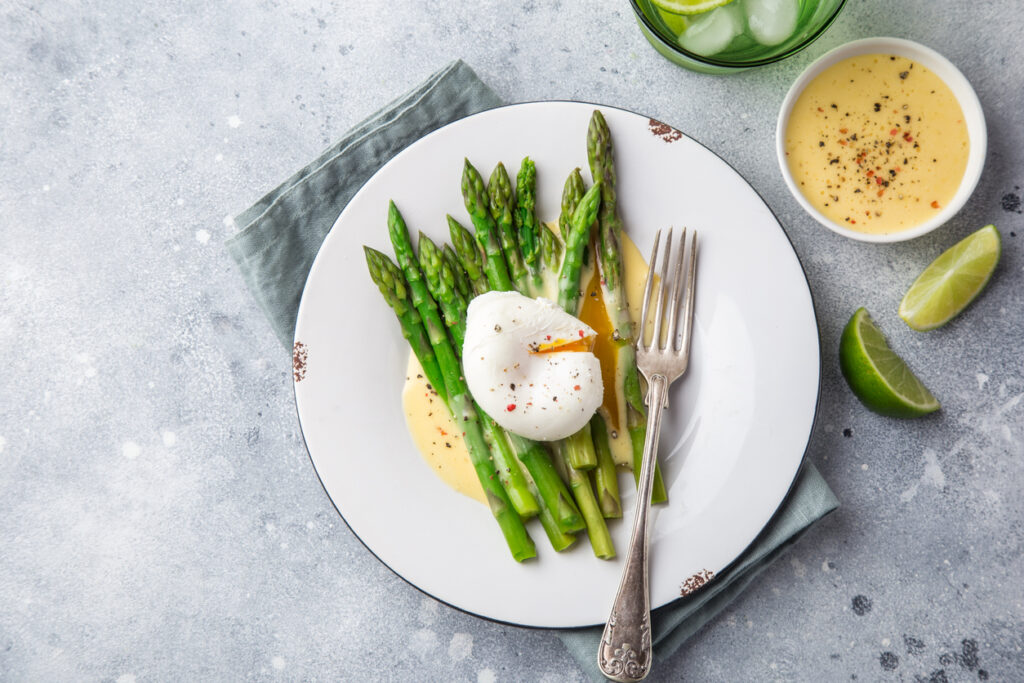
x=952 y=281
x=877 y=376
x=677 y=23
x=688 y=6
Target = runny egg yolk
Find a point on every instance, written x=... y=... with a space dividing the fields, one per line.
x=559 y=345
x=605 y=347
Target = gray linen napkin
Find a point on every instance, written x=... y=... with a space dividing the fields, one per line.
x=282 y=233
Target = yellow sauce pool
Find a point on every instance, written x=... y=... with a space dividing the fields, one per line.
x=877 y=143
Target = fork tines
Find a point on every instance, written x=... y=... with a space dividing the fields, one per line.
x=681 y=285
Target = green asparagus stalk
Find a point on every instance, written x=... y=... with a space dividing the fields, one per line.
x=487 y=234
x=461 y=279
x=550 y=249
x=502 y=206
x=575 y=242
x=534 y=458
x=391 y=283
x=531 y=233
x=579 y=483
x=602 y=167
x=469 y=255
x=441 y=285
x=459 y=402
x=578 y=451
x=440 y=281
x=572 y=193
x=580 y=446
x=552 y=489
x=507 y=467
x=606 y=478
x=559 y=539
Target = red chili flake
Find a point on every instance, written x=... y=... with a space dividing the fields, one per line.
x=880 y=192
x=549 y=337
x=935 y=205
x=894 y=131
x=820 y=109
x=510 y=407
x=843 y=143
x=908 y=137
x=870 y=173
x=878 y=179
x=843 y=131
x=577 y=387
x=581 y=333
x=852 y=221
x=898 y=169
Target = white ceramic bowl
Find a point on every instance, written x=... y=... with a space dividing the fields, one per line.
x=945 y=70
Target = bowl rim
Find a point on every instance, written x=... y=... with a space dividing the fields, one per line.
x=962 y=90
x=729 y=64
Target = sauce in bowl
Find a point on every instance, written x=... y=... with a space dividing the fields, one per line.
x=877 y=143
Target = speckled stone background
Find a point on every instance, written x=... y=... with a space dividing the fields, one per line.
x=159 y=517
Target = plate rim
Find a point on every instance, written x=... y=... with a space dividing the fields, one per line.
x=817 y=398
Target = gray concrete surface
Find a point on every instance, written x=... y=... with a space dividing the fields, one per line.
x=159 y=517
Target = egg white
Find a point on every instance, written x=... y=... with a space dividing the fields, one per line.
x=543 y=396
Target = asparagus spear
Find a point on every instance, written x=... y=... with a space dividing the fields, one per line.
x=575 y=242
x=602 y=167
x=469 y=256
x=550 y=486
x=475 y=197
x=606 y=478
x=392 y=287
x=577 y=451
x=580 y=446
x=441 y=284
x=550 y=248
x=579 y=482
x=571 y=195
x=461 y=279
x=531 y=454
x=559 y=539
x=459 y=402
x=531 y=233
x=502 y=206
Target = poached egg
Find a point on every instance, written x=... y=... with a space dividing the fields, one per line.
x=529 y=365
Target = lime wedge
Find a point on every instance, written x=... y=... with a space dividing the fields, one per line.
x=688 y=6
x=877 y=376
x=952 y=281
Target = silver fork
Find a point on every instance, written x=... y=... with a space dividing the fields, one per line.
x=625 y=650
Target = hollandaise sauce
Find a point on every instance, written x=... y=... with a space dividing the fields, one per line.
x=877 y=143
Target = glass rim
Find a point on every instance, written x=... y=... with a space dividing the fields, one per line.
x=674 y=46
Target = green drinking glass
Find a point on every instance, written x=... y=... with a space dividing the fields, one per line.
x=716 y=36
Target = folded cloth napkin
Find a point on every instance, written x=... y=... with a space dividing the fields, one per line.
x=281 y=234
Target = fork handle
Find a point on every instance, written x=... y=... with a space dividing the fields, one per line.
x=625 y=652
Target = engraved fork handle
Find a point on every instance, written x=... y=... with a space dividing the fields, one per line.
x=625 y=651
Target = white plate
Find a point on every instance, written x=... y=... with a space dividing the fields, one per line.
x=738 y=424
